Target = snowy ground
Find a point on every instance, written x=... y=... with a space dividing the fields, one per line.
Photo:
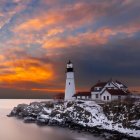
x=83 y=113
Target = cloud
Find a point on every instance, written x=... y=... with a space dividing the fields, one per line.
x=33 y=24
x=38 y=37
x=9 y=9
x=91 y=38
x=54 y=31
x=67 y=16
x=26 y=69
x=48 y=28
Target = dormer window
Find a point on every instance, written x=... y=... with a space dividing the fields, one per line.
x=97 y=88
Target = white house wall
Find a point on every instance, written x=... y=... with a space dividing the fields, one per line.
x=105 y=93
x=78 y=97
x=83 y=97
x=111 y=97
x=116 y=97
x=93 y=95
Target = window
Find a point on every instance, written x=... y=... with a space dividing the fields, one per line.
x=96 y=95
x=100 y=88
x=119 y=97
x=97 y=88
x=104 y=97
x=107 y=97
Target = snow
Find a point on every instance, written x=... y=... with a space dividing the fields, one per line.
x=99 y=119
x=79 y=111
x=47 y=110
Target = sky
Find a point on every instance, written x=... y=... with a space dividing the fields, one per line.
x=38 y=37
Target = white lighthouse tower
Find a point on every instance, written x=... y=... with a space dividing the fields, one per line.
x=70 y=83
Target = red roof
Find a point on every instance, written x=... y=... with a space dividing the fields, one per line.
x=82 y=94
x=99 y=84
x=117 y=92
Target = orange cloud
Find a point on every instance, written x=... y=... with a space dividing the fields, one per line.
x=2 y=58
x=70 y=16
x=60 y=42
x=39 y=23
x=87 y=38
x=51 y=24
x=129 y=30
x=30 y=25
x=27 y=70
x=48 y=90
x=55 y=31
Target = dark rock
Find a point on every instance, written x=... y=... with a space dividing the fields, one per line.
x=70 y=114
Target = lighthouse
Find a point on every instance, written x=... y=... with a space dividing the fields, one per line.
x=70 y=83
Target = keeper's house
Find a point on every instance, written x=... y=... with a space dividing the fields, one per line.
x=108 y=91
x=105 y=91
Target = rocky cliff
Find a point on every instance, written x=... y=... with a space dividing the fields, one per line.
x=122 y=119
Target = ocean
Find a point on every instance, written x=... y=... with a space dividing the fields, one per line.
x=14 y=129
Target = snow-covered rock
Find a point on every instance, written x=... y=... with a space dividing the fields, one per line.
x=114 y=117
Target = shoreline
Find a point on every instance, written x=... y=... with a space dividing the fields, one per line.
x=45 y=120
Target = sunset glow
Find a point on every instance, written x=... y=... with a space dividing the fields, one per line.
x=37 y=38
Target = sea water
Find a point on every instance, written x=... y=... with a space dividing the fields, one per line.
x=12 y=128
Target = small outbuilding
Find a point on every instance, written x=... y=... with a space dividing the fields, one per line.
x=82 y=95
